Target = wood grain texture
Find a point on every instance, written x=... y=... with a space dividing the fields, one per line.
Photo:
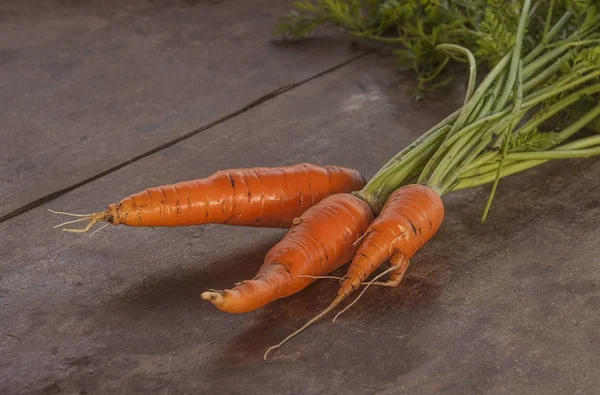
x=86 y=86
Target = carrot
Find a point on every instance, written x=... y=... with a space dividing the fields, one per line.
x=323 y=240
x=260 y=197
x=409 y=218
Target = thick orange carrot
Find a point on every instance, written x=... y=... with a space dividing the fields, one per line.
x=409 y=218
x=261 y=197
x=323 y=240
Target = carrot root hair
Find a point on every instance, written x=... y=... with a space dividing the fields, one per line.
x=92 y=218
x=332 y=306
x=361 y=238
x=377 y=277
x=320 y=277
x=373 y=282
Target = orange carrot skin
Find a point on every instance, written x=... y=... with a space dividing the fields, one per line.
x=259 y=197
x=409 y=218
x=322 y=242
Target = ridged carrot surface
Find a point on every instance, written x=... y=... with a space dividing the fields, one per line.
x=409 y=218
x=323 y=240
x=260 y=197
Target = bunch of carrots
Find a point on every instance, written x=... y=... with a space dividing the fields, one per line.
x=334 y=216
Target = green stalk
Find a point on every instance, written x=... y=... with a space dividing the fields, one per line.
x=472 y=182
x=490 y=156
x=482 y=165
x=531 y=159
x=547 y=73
x=548 y=155
x=516 y=56
x=481 y=160
x=467 y=109
x=453 y=149
x=549 y=56
x=507 y=137
x=548 y=20
x=577 y=43
x=563 y=151
x=421 y=140
x=399 y=166
x=451 y=180
x=483 y=168
x=488 y=101
x=378 y=188
x=553 y=32
x=452 y=160
x=580 y=123
x=476 y=151
x=479 y=94
x=554 y=109
x=551 y=91
x=472 y=67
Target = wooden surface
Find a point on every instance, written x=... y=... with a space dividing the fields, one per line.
x=510 y=306
x=85 y=87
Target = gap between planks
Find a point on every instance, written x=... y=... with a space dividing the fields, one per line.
x=279 y=91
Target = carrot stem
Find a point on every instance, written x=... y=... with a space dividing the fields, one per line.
x=472 y=67
x=548 y=20
x=394 y=174
x=526 y=160
x=507 y=137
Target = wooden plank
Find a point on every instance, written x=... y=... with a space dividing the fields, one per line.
x=88 y=86
x=510 y=306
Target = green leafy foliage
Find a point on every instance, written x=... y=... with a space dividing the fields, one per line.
x=498 y=31
x=534 y=141
x=543 y=58
x=351 y=15
x=413 y=28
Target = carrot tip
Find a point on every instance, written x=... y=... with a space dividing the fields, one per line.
x=214 y=297
x=92 y=218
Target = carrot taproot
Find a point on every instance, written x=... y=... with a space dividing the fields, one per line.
x=409 y=218
x=259 y=197
x=323 y=239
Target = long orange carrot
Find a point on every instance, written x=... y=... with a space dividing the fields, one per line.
x=261 y=197
x=409 y=218
x=323 y=240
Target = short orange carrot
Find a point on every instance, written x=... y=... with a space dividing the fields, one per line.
x=323 y=240
x=260 y=197
x=409 y=218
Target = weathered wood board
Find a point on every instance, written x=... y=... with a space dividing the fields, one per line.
x=88 y=86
